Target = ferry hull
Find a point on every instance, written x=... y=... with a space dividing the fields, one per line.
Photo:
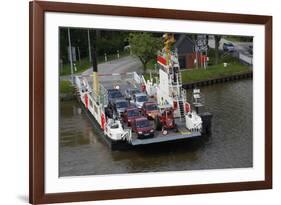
x=113 y=144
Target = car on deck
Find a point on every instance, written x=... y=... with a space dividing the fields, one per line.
x=139 y=99
x=130 y=115
x=114 y=129
x=150 y=110
x=120 y=105
x=113 y=94
x=130 y=92
x=166 y=120
x=143 y=128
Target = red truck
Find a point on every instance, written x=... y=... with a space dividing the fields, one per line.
x=166 y=121
x=130 y=115
x=142 y=127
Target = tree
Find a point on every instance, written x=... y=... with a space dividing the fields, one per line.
x=144 y=46
x=111 y=41
x=217 y=44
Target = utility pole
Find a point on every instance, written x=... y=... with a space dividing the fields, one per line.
x=89 y=46
x=95 y=66
x=70 y=55
x=79 y=57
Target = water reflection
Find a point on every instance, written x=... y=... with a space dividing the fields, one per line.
x=75 y=129
x=82 y=152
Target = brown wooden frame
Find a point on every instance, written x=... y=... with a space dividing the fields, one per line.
x=37 y=95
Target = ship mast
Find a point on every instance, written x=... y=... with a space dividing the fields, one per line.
x=169 y=40
x=170 y=87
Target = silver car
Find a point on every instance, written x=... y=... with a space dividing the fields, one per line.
x=139 y=99
x=130 y=92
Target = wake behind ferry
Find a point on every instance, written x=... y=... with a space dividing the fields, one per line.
x=129 y=110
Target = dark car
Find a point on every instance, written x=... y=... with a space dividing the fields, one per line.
x=130 y=115
x=228 y=47
x=120 y=105
x=142 y=127
x=150 y=110
x=113 y=94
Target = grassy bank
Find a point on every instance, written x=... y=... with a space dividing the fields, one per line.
x=212 y=72
x=66 y=87
x=81 y=66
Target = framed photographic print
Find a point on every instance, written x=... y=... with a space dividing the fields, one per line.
x=132 y=102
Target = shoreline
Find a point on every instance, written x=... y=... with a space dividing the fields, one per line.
x=212 y=81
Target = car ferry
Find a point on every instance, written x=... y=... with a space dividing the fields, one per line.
x=171 y=119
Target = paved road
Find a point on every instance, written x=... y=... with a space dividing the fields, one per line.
x=240 y=47
x=122 y=65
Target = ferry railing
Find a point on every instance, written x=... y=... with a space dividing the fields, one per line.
x=127 y=135
x=77 y=82
x=183 y=93
x=103 y=98
x=179 y=78
x=81 y=84
x=119 y=76
x=137 y=78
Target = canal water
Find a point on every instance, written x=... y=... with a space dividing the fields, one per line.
x=82 y=152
